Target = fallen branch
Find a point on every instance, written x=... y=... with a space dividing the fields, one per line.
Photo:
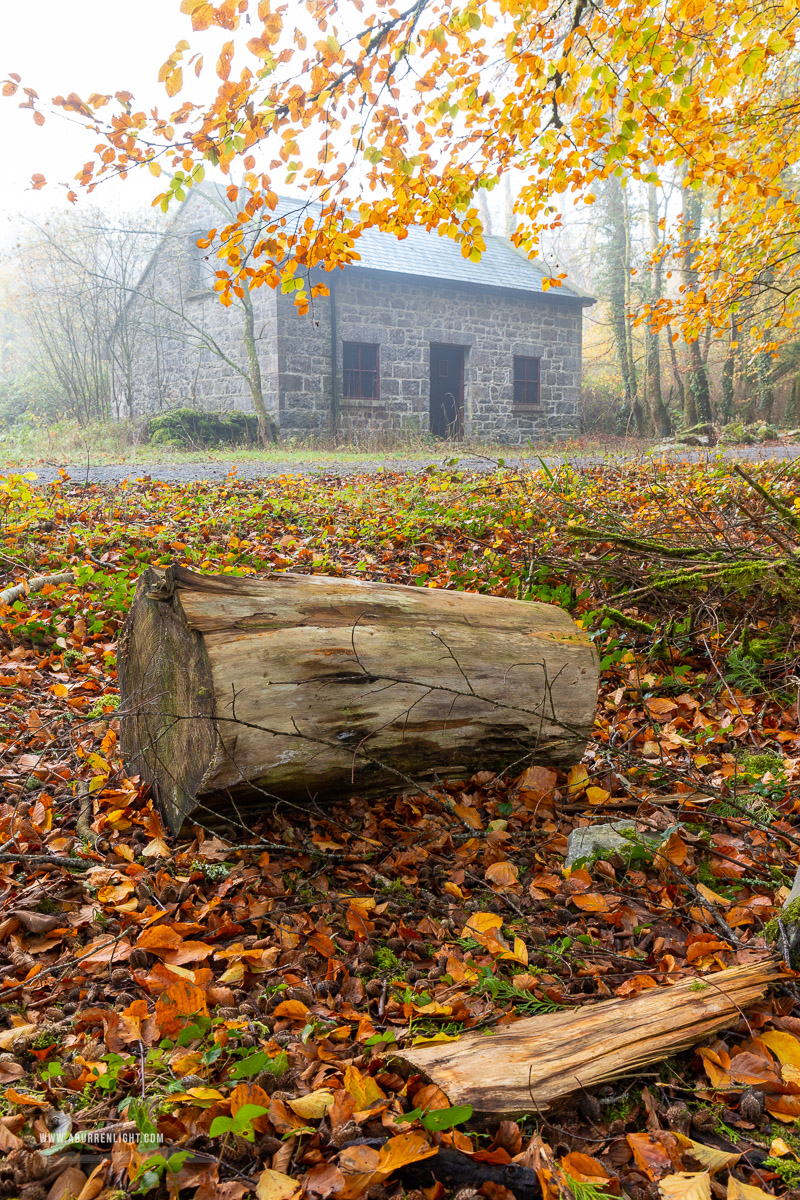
x=29 y=587
x=49 y=860
x=530 y=1065
x=453 y=1168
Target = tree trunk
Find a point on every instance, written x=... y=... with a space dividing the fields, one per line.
x=766 y=390
x=266 y=423
x=728 y=373
x=539 y=1060
x=678 y=378
x=298 y=686
x=698 y=388
x=792 y=417
x=655 y=399
x=619 y=295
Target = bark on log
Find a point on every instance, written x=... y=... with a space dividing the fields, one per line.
x=530 y=1065
x=300 y=686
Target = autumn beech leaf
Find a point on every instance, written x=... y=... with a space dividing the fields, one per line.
x=274 y=1185
x=502 y=874
x=177 y=1004
x=709 y=1157
x=313 y=1106
x=201 y=13
x=650 y=1155
x=174 y=82
x=481 y=923
x=295 y=1010
x=686 y=1185
x=577 y=779
x=38 y=182
x=745 y=1191
x=785 y=1046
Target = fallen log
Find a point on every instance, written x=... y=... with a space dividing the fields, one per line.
x=300 y=686
x=528 y=1066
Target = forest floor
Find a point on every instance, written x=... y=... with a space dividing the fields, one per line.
x=215 y=1015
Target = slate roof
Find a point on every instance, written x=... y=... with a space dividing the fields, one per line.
x=429 y=256
x=424 y=255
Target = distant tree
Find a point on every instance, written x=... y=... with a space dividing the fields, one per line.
x=74 y=274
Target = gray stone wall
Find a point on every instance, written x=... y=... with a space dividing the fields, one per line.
x=190 y=350
x=404 y=317
x=192 y=346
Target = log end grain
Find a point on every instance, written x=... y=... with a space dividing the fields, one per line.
x=167 y=730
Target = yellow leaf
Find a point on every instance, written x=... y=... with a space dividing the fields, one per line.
x=481 y=923
x=709 y=1156
x=273 y=1185
x=714 y=897
x=362 y=1088
x=745 y=1191
x=60 y=690
x=400 y=1151
x=597 y=795
x=784 y=1046
x=205 y=1093
x=434 y=1009
x=157 y=848
x=174 y=82
x=314 y=1106
x=234 y=973
x=520 y=951
x=686 y=1185
x=437 y=1037
x=779 y=1149
x=578 y=776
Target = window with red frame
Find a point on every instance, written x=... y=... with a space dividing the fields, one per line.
x=527 y=374
x=360 y=366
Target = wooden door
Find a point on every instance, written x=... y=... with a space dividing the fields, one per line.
x=447 y=391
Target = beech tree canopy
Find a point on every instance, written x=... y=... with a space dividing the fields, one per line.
x=391 y=116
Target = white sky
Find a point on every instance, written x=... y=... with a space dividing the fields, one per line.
x=85 y=46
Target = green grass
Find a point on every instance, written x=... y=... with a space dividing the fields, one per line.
x=67 y=443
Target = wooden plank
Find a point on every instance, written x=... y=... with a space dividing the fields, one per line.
x=528 y=1066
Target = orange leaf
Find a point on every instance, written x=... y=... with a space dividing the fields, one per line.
x=400 y=1151
x=177 y=1004
x=649 y=1154
x=502 y=874
x=295 y=1009
x=591 y=902
x=584 y=1168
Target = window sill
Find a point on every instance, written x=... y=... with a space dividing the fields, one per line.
x=526 y=408
x=358 y=401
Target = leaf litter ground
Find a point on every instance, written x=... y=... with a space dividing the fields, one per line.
x=216 y=1015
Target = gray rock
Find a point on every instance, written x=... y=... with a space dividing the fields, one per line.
x=592 y=840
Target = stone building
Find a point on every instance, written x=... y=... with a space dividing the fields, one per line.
x=413 y=338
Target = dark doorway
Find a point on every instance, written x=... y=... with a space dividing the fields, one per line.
x=447 y=391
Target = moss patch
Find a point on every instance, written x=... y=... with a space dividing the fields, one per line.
x=192 y=429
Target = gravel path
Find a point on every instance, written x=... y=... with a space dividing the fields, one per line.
x=215 y=470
